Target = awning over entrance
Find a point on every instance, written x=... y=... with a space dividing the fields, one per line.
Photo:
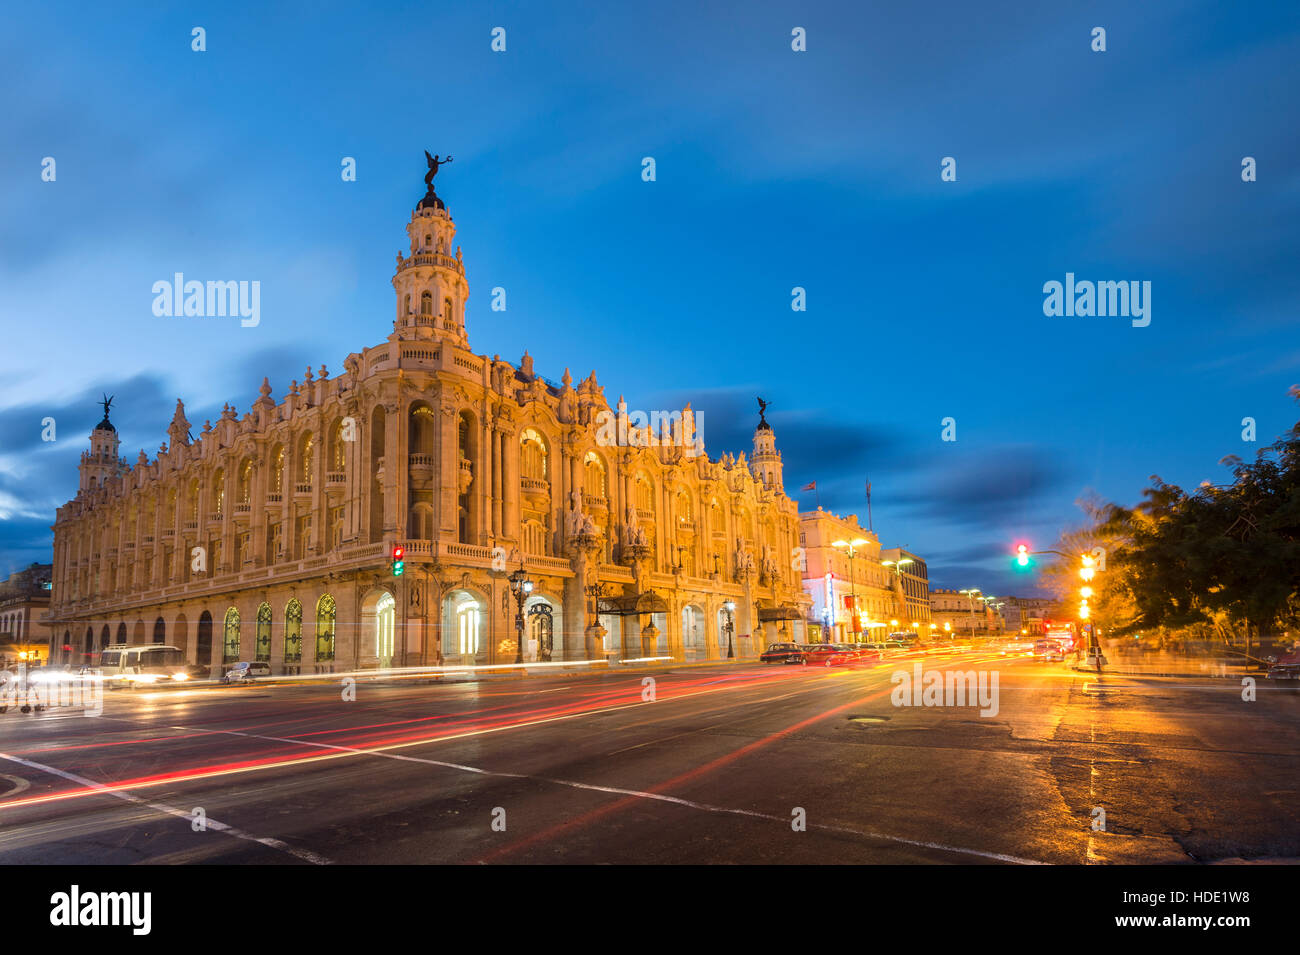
x=781 y=612
x=629 y=605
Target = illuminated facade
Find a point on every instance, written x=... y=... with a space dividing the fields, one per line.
x=268 y=537
x=842 y=589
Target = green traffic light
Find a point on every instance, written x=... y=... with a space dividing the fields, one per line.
x=398 y=568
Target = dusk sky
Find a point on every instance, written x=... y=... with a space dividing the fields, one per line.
x=774 y=169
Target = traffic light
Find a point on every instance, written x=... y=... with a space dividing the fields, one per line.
x=1022 y=555
x=398 y=564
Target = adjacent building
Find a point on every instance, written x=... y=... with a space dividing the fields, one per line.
x=852 y=595
x=910 y=580
x=269 y=536
x=24 y=599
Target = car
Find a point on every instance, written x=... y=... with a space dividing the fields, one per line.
x=866 y=650
x=829 y=654
x=245 y=672
x=783 y=653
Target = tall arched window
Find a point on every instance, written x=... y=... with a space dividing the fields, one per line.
x=230 y=637
x=293 y=631
x=277 y=469
x=262 y=640
x=121 y=633
x=426 y=303
x=307 y=463
x=422 y=429
x=193 y=508
x=325 y=614
x=467 y=623
x=385 y=617
x=245 y=482
x=219 y=492
x=338 y=449
x=645 y=494
x=593 y=475
x=533 y=454
x=534 y=538
x=159 y=631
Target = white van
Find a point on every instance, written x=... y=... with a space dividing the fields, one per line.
x=148 y=664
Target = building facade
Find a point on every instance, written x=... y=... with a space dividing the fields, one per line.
x=911 y=583
x=967 y=613
x=269 y=536
x=851 y=591
x=24 y=599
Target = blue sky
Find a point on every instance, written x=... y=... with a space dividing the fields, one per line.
x=775 y=169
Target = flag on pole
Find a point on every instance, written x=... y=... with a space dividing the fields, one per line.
x=810 y=486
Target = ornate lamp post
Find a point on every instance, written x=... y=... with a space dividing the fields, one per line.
x=521 y=587
x=730 y=627
x=851 y=547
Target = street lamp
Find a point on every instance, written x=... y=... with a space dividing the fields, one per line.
x=852 y=548
x=521 y=587
x=730 y=626
x=970 y=599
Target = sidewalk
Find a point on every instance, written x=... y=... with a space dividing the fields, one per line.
x=1172 y=665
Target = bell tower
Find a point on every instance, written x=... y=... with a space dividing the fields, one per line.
x=766 y=461
x=430 y=281
x=101 y=463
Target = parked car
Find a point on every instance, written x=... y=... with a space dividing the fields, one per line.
x=783 y=653
x=1286 y=666
x=829 y=654
x=245 y=672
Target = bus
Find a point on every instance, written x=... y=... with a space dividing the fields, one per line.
x=151 y=663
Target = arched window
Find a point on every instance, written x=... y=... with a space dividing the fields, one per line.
x=593 y=478
x=193 y=508
x=422 y=521
x=277 y=470
x=121 y=633
x=230 y=637
x=338 y=449
x=467 y=623
x=245 y=482
x=426 y=303
x=159 y=631
x=685 y=509
x=421 y=430
x=293 y=631
x=307 y=464
x=325 y=614
x=262 y=640
x=385 y=618
x=533 y=455
x=428 y=240
x=219 y=492
x=534 y=538
x=645 y=494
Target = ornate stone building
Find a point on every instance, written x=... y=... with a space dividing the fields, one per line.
x=270 y=535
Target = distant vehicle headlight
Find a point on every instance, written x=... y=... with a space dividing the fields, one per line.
x=180 y=676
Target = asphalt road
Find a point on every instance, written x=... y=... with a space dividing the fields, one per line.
x=719 y=767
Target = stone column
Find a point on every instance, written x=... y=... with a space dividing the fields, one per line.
x=395 y=464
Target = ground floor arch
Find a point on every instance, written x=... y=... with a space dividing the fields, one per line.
x=378 y=628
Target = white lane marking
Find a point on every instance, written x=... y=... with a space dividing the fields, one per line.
x=636 y=793
x=304 y=854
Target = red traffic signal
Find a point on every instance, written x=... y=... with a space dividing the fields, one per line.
x=397 y=553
